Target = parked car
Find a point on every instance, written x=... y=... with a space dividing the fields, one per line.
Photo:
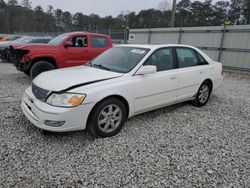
x=9 y=38
x=6 y=52
x=122 y=82
x=66 y=50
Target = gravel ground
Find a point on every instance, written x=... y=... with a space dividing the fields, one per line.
x=177 y=146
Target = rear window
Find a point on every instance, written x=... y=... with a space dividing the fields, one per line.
x=99 y=42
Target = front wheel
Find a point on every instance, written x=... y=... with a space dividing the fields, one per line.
x=203 y=94
x=107 y=118
x=39 y=67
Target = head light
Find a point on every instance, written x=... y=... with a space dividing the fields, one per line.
x=66 y=99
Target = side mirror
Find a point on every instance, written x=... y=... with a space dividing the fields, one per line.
x=147 y=69
x=68 y=44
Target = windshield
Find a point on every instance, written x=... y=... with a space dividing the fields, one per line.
x=19 y=40
x=59 y=39
x=119 y=59
x=27 y=40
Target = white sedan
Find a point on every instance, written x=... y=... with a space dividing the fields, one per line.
x=122 y=82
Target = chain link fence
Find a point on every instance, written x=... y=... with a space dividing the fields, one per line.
x=117 y=36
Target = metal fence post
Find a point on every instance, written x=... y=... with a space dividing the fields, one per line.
x=222 y=42
x=149 y=36
x=180 y=35
x=125 y=36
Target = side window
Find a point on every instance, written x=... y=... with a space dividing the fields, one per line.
x=186 y=57
x=80 y=41
x=163 y=59
x=99 y=42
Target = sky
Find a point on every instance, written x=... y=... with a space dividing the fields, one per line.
x=100 y=7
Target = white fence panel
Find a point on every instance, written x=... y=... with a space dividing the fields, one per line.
x=229 y=44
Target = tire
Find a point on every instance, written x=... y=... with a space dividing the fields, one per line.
x=107 y=118
x=39 y=67
x=203 y=94
x=27 y=72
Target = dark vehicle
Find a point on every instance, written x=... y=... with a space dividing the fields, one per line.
x=6 y=47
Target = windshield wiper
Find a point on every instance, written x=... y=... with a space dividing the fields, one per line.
x=100 y=66
x=89 y=64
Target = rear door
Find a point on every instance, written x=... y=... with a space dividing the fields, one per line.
x=79 y=53
x=159 y=89
x=99 y=44
x=193 y=70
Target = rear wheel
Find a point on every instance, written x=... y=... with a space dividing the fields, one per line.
x=107 y=118
x=39 y=67
x=203 y=94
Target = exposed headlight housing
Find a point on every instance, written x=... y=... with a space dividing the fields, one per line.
x=66 y=99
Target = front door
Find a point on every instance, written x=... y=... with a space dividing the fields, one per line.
x=159 y=89
x=77 y=54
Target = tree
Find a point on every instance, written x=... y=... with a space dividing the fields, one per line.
x=22 y=18
x=221 y=9
x=237 y=8
x=59 y=19
x=164 y=6
x=39 y=19
x=184 y=13
x=202 y=13
x=12 y=3
x=67 y=21
x=50 y=19
x=26 y=4
x=247 y=11
x=3 y=16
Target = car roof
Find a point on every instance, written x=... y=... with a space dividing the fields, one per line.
x=154 y=46
x=86 y=33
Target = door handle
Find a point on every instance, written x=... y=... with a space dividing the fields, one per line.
x=201 y=72
x=174 y=77
x=86 y=51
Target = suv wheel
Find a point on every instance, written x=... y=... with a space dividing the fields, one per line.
x=39 y=67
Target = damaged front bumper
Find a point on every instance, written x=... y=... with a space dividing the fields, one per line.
x=19 y=59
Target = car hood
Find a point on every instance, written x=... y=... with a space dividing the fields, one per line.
x=32 y=46
x=66 y=78
x=6 y=44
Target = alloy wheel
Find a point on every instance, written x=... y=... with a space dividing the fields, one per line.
x=109 y=118
x=203 y=93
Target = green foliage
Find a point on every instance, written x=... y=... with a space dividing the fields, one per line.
x=21 y=17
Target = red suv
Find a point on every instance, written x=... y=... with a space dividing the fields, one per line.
x=66 y=50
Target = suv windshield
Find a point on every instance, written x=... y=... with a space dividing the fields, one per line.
x=119 y=59
x=59 y=39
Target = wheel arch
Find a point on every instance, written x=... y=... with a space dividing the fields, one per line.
x=121 y=98
x=210 y=83
x=49 y=59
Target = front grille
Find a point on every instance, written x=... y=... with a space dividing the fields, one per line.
x=39 y=93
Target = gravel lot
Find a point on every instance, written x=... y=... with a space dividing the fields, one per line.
x=177 y=146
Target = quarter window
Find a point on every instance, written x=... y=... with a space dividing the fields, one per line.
x=186 y=57
x=202 y=60
x=163 y=59
x=99 y=42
